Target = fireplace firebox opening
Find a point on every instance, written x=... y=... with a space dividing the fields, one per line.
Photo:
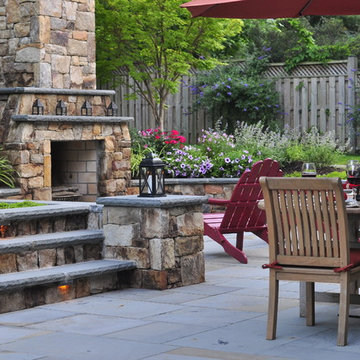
x=75 y=170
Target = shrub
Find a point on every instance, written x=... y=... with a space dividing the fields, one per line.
x=237 y=92
x=7 y=172
x=288 y=147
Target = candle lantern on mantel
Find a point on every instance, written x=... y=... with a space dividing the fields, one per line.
x=38 y=108
x=151 y=177
x=61 y=108
x=86 y=109
x=112 y=109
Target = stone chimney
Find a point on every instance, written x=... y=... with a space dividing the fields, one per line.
x=47 y=57
x=47 y=44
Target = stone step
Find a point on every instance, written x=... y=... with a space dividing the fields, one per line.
x=50 y=209
x=64 y=274
x=26 y=289
x=51 y=217
x=50 y=241
x=54 y=249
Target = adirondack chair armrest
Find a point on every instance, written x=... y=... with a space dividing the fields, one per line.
x=213 y=201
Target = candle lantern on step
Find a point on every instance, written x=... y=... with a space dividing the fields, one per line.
x=151 y=177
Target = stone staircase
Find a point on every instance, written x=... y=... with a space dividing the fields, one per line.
x=53 y=253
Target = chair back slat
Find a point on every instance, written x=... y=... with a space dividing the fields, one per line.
x=242 y=211
x=333 y=221
x=299 y=221
x=307 y=221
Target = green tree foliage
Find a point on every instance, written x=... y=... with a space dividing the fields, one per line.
x=156 y=42
x=313 y=38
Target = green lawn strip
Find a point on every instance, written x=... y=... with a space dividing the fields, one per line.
x=21 y=204
x=344 y=158
x=340 y=174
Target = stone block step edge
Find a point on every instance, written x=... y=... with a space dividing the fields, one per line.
x=63 y=274
x=51 y=209
x=51 y=240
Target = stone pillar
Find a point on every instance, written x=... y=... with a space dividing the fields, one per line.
x=164 y=235
x=47 y=43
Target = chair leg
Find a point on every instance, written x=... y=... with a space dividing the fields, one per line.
x=273 y=305
x=310 y=304
x=240 y=240
x=343 y=309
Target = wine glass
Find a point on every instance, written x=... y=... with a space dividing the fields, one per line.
x=308 y=170
x=351 y=168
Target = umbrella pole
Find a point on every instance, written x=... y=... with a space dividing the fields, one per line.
x=305 y=7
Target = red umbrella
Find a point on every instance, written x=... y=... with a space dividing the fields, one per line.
x=262 y=9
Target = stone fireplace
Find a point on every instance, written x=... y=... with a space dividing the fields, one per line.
x=47 y=53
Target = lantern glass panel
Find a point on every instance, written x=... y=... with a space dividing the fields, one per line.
x=151 y=178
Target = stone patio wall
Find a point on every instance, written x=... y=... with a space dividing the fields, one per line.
x=163 y=235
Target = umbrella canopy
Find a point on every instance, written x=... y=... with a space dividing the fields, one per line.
x=263 y=9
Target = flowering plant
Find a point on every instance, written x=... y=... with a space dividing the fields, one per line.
x=159 y=141
x=214 y=155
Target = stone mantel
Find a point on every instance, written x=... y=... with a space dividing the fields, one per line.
x=72 y=119
x=49 y=91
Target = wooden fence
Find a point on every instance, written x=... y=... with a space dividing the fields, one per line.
x=313 y=94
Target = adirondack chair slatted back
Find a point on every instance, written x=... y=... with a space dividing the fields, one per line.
x=307 y=221
x=242 y=210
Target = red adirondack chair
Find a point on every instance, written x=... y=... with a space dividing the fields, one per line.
x=241 y=213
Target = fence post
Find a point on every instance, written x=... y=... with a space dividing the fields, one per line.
x=352 y=67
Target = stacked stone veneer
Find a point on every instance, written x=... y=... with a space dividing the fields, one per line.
x=27 y=138
x=163 y=235
x=47 y=43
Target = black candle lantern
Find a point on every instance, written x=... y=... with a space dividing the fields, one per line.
x=61 y=108
x=151 y=177
x=112 y=109
x=86 y=109
x=38 y=108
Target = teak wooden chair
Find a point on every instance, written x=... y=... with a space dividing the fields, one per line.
x=308 y=242
x=241 y=213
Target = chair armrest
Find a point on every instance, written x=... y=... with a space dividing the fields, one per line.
x=213 y=201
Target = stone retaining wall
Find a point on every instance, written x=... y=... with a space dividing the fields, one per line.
x=220 y=188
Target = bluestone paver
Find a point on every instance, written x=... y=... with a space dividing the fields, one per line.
x=223 y=318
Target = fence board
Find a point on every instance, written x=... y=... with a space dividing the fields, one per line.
x=312 y=95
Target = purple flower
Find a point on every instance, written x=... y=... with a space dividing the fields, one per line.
x=229 y=93
x=246 y=85
x=228 y=86
x=227 y=160
x=218 y=94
